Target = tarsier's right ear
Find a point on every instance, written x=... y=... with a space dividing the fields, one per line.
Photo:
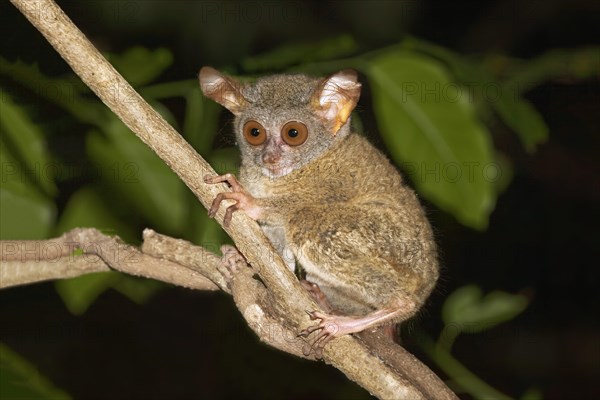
x=335 y=98
x=222 y=89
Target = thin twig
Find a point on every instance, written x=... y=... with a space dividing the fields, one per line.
x=85 y=250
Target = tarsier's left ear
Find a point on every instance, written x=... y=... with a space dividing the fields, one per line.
x=223 y=89
x=335 y=98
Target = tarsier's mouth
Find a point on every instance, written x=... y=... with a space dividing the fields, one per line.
x=275 y=171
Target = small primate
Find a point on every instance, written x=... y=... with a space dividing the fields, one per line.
x=326 y=196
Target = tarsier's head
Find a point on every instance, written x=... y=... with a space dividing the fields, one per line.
x=282 y=122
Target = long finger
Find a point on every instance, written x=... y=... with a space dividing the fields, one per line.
x=214 y=207
x=229 y=178
x=219 y=198
x=229 y=213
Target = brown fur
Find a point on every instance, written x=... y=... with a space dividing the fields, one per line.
x=340 y=208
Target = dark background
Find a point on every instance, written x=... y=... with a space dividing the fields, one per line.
x=542 y=240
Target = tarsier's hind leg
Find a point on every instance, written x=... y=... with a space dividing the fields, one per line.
x=378 y=267
x=331 y=326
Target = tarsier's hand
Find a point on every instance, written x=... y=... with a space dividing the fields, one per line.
x=232 y=262
x=244 y=200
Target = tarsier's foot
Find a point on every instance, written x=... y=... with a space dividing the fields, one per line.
x=244 y=200
x=329 y=327
x=232 y=262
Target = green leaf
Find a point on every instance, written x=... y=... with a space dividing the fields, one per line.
x=130 y=167
x=516 y=112
x=139 y=65
x=86 y=208
x=503 y=174
x=205 y=231
x=138 y=290
x=478 y=83
x=20 y=380
x=201 y=121
x=467 y=310
x=26 y=213
x=521 y=117
x=225 y=160
x=430 y=128
x=289 y=55
x=461 y=67
x=65 y=93
x=169 y=89
x=25 y=216
x=79 y=293
x=27 y=141
x=577 y=64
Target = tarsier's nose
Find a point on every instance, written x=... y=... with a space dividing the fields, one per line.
x=271 y=158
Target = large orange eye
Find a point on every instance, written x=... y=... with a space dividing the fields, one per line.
x=254 y=133
x=294 y=133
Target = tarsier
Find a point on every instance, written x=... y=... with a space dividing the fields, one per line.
x=327 y=199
